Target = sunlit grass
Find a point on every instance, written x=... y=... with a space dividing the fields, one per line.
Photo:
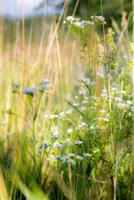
x=65 y=111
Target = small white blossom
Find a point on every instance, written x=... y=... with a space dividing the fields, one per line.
x=69 y=130
x=57 y=144
x=122 y=105
x=56 y=134
x=70 y=19
x=86 y=155
x=78 y=142
x=79 y=157
x=83 y=108
x=70 y=155
x=93 y=127
x=52 y=116
x=69 y=111
x=62 y=114
x=103 y=119
x=76 y=104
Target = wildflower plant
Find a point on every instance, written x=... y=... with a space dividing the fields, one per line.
x=82 y=27
x=100 y=122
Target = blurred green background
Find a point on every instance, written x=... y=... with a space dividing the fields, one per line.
x=110 y=9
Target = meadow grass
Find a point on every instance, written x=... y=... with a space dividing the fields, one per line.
x=66 y=110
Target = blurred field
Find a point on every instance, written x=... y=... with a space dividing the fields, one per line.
x=65 y=110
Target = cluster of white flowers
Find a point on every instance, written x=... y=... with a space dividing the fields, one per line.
x=79 y=23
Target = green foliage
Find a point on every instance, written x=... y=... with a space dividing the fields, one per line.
x=83 y=151
x=87 y=8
